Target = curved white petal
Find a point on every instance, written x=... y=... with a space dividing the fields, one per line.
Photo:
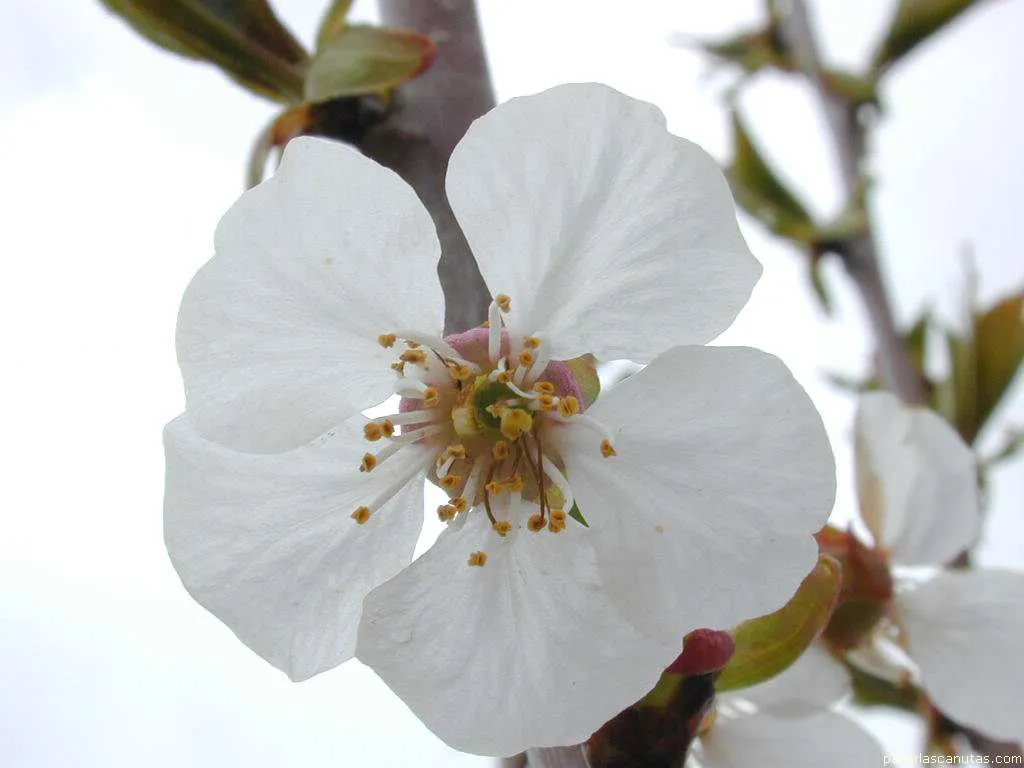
x=705 y=517
x=267 y=543
x=523 y=652
x=814 y=682
x=277 y=334
x=611 y=235
x=965 y=631
x=916 y=480
x=795 y=742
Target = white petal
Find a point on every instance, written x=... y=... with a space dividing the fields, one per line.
x=522 y=652
x=965 y=632
x=266 y=542
x=705 y=517
x=794 y=742
x=611 y=235
x=916 y=480
x=814 y=682
x=277 y=333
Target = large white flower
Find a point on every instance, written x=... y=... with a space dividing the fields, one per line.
x=702 y=477
x=963 y=629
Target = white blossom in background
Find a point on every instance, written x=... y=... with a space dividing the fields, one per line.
x=789 y=721
x=292 y=517
x=963 y=630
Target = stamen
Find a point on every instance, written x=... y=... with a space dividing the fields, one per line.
x=460 y=372
x=361 y=515
x=536 y=522
x=568 y=406
x=546 y=403
x=373 y=431
x=502 y=527
x=446 y=512
x=398 y=368
x=504 y=302
x=410 y=388
x=478 y=559
x=405 y=417
x=557 y=522
x=531 y=342
x=437 y=344
x=450 y=482
x=418 y=434
x=500 y=450
x=540 y=363
x=431 y=397
x=544 y=387
x=607 y=449
x=387 y=340
x=414 y=356
x=526 y=358
x=371 y=461
x=368 y=463
x=494 y=332
x=460 y=504
x=590 y=422
x=444 y=464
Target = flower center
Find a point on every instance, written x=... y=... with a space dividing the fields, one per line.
x=488 y=404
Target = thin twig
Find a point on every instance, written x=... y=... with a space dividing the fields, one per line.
x=860 y=256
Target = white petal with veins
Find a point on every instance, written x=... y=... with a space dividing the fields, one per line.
x=612 y=235
x=277 y=333
x=267 y=543
x=705 y=517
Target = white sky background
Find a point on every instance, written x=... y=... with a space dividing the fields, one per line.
x=117 y=161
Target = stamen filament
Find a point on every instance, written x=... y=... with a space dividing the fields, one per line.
x=494 y=332
x=559 y=480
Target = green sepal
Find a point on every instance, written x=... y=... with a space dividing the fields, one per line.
x=913 y=23
x=577 y=515
x=361 y=60
x=768 y=645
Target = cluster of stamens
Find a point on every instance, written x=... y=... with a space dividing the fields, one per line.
x=488 y=415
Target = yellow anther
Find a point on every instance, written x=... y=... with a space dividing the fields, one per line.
x=558 y=514
x=568 y=406
x=387 y=340
x=555 y=525
x=460 y=372
x=536 y=522
x=361 y=515
x=500 y=450
x=504 y=302
x=448 y=482
x=514 y=422
x=460 y=504
x=546 y=402
x=447 y=512
x=388 y=428
x=502 y=527
x=412 y=345
x=544 y=387
x=505 y=377
x=431 y=397
x=368 y=463
x=495 y=487
x=607 y=450
x=398 y=368
x=526 y=358
x=373 y=431
x=531 y=342
x=478 y=559
x=514 y=484
x=414 y=356
x=457 y=451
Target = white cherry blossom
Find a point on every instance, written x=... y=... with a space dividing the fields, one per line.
x=962 y=629
x=701 y=478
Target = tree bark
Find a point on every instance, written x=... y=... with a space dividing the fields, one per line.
x=430 y=115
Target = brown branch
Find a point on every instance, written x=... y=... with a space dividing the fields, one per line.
x=430 y=115
x=860 y=256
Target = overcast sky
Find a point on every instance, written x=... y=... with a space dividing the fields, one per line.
x=118 y=160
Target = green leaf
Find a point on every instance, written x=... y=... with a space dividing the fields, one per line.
x=999 y=351
x=584 y=372
x=760 y=192
x=818 y=284
x=577 y=515
x=768 y=645
x=365 y=60
x=242 y=37
x=333 y=23
x=913 y=23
